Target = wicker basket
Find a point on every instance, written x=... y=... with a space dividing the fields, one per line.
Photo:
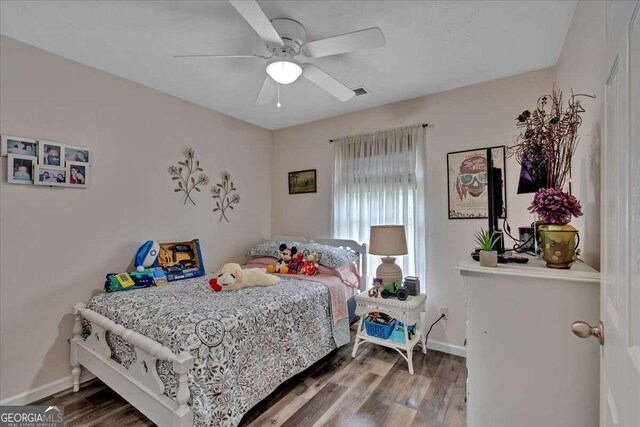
x=378 y=330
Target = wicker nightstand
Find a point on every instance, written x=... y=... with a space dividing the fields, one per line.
x=407 y=312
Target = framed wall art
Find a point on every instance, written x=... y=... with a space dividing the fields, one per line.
x=51 y=153
x=18 y=145
x=46 y=163
x=77 y=174
x=467 y=181
x=20 y=168
x=78 y=154
x=301 y=182
x=54 y=176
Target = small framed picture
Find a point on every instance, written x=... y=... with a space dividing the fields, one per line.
x=77 y=174
x=19 y=145
x=77 y=154
x=51 y=153
x=50 y=175
x=301 y=182
x=20 y=168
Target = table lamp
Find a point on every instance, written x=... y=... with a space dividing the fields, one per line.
x=388 y=240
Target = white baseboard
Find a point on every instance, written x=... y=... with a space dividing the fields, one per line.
x=45 y=390
x=447 y=348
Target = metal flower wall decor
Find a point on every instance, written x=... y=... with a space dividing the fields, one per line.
x=224 y=193
x=185 y=175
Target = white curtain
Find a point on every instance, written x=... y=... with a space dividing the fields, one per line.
x=380 y=180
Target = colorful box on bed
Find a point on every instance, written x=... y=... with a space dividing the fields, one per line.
x=181 y=260
x=135 y=280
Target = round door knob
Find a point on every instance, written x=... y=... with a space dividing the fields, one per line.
x=585 y=330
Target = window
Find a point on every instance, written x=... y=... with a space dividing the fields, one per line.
x=379 y=180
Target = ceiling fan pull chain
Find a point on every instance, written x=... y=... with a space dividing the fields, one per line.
x=278 y=104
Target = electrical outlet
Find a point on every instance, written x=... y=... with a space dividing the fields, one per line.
x=444 y=310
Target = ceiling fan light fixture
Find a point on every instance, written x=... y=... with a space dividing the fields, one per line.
x=284 y=70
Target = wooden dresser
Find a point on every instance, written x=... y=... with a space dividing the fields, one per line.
x=526 y=368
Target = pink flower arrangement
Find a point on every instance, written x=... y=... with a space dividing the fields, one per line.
x=554 y=206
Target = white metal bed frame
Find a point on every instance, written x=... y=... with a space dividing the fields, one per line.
x=140 y=383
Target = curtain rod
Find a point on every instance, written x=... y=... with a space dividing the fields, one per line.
x=424 y=125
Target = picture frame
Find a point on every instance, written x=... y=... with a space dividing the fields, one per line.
x=52 y=176
x=77 y=174
x=467 y=186
x=303 y=182
x=20 y=169
x=18 y=145
x=50 y=151
x=74 y=153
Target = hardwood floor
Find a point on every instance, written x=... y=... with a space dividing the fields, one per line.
x=374 y=389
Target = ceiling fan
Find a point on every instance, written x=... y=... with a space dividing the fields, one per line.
x=286 y=39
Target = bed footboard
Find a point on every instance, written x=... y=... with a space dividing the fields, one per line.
x=140 y=383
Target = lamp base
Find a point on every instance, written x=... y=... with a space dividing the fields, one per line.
x=389 y=271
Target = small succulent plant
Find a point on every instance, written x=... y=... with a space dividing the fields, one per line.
x=185 y=174
x=554 y=206
x=486 y=240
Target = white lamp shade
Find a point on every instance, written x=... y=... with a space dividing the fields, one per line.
x=284 y=71
x=387 y=240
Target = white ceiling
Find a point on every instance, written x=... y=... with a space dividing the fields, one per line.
x=431 y=46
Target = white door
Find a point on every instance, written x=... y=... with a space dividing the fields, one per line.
x=620 y=195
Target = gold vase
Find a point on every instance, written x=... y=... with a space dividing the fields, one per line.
x=558 y=244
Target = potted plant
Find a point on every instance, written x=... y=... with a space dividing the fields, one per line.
x=487 y=241
x=559 y=240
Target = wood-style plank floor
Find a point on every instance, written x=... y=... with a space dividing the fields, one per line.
x=374 y=389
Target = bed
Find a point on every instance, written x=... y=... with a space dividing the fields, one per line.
x=186 y=356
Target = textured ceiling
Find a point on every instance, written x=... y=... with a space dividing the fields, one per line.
x=431 y=46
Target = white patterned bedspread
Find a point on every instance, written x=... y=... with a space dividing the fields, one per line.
x=245 y=343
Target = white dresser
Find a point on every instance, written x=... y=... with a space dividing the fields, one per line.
x=526 y=368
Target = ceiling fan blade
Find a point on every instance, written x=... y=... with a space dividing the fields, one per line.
x=268 y=91
x=350 y=42
x=218 y=56
x=328 y=83
x=253 y=14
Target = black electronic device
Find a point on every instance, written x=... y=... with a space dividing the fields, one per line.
x=502 y=259
x=495 y=202
x=412 y=285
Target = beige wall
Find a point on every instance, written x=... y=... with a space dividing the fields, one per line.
x=57 y=245
x=475 y=116
x=579 y=68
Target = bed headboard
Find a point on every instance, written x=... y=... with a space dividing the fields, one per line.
x=358 y=248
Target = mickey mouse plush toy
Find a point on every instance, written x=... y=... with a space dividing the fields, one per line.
x=286 y=256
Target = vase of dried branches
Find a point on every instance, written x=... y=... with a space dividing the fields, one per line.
x=545 y=147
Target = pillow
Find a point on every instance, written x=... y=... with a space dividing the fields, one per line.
x=347 y=273
x=263 y=261
x=330 y=256
x=270 y=248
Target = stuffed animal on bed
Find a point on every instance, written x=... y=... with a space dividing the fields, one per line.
x=310 y=265
x=286 y=256
x=295 y=263
x=231 y=276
